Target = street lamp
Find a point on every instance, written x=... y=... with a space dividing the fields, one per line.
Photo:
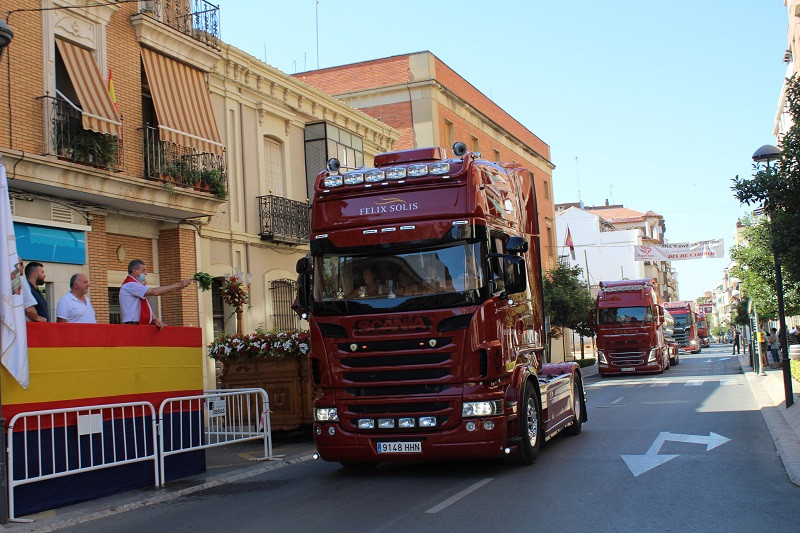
x=764 y=155
x=5 y=36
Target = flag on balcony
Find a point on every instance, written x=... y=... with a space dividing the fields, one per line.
x=13 y=331
x=569 y=243
x=111 y=92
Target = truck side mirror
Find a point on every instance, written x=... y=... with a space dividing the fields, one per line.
x=515 y=279
x=303 y=302
x=592 y=318
x=516 y=245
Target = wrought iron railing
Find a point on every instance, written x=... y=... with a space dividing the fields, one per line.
x=184 y=166
x=196 y=18
x=70 y=141
x=284 y=220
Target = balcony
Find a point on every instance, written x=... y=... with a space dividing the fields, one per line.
x=196 y=18
x=284 y=220
x=68 y=139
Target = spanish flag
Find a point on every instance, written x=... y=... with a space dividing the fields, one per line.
x=111 y=91
x=568 y=242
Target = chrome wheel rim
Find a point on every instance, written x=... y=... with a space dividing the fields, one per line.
x=533 y=422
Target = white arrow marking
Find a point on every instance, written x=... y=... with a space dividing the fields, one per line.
x=715 y=360
x=639 y=464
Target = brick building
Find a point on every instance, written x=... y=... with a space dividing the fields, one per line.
x=431 y=105
x=195 y=161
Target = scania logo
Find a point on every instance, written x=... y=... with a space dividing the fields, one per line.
x=392 y=325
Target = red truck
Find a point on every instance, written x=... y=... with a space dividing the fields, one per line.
x=702 y=330
x=629 y=322
x=685 y=331
x=423 y=293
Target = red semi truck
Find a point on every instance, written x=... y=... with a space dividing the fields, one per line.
x=424 y=298
x=630 y=323
x=685 y=331
x=702 y=330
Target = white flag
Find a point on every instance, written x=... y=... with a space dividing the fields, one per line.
x=13 y=332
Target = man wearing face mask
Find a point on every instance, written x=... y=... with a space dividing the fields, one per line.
x=134 y=307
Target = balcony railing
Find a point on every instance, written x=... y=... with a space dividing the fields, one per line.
x=184 y=166
x=196 y=18
x=70 y=141
x=284 y=220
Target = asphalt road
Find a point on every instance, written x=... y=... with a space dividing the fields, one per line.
x=686 y=450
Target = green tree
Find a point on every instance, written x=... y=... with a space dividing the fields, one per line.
x=756 y=269
x=778 y=191
x=739 y=314
x=566 y=299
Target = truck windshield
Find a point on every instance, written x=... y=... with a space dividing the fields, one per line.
x=624 y=315
x=681 y=319
x=432 y=278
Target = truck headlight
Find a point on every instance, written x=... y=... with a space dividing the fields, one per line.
x=693 y=343
x=653 y=355
x=601 y=357
x=488 y=408
x=326 y=414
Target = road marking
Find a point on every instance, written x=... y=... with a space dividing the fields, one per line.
x=639 y=464
x=451 y=500
x=694 y=383
x=617 y=400
x=661 y=384
x=727 y=382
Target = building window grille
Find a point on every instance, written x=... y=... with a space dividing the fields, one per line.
x=283 y=293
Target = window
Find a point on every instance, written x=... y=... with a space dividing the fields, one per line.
x=496 y=155
x=114 y=312
x=476 y=147
x=273 y=167
x=217 y=307
x=324 y=141
x=283 y=294
x=449 y=132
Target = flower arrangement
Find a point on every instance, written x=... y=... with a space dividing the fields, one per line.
x=233 y=291
x=260 y=344
x=203 y=280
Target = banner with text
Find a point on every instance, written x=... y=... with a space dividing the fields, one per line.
x=711 y=249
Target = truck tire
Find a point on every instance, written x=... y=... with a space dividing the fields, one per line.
x=531 y=429
x=578 y=407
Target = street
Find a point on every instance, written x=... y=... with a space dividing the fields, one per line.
x=686 y=450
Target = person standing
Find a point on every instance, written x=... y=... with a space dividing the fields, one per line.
x=774 y=348
x=34 y=273
x=134 y=307
x=75 y=306
x=736 y=341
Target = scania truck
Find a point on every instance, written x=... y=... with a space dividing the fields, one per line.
x=685 y=331
x=423 y=293
x=630 y=324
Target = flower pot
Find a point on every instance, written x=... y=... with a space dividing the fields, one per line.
x=286 y=381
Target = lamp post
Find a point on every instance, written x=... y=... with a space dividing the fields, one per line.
x=764 y=155
x=5 y=39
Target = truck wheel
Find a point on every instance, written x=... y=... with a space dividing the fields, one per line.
x=578 y=407
x=358 y=465
x=531 y=428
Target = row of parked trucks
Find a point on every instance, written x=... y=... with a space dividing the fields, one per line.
x=639 y=333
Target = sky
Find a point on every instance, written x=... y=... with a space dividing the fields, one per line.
x=653 y=105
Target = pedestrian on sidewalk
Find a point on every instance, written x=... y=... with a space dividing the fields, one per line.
x=736 y=342
x=763 y=346
x=774 y=348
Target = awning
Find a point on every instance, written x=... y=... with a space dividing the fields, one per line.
x=182 y=102
x=98 y=110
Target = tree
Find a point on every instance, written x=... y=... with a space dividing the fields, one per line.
x=778 y=191
x=739 y=314
x=756 y=269
x=566 y=299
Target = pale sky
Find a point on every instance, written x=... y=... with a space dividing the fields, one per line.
x=663 y=103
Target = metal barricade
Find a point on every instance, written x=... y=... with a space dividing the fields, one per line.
x=214 y=418
x=62 y=442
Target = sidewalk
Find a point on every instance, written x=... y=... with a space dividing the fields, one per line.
x=783 y=424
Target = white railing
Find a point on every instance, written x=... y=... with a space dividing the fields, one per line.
x=220 y=417
x=62 y=442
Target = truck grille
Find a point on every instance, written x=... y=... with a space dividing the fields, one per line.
x=626 y=358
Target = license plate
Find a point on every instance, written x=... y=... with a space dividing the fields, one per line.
x=629 y=369
x=399 y=447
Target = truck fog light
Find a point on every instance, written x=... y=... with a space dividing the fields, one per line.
x=331 y=430
x=427 y=421
x=489 y=425
x=470 y=426
x=318 y=430
x=386 y=423
x=406 y=423
x=366 y=423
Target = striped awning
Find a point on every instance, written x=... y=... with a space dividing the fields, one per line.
x=98 y=111
x=183 y=105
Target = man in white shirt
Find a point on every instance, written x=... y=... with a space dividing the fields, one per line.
x=133 y=304
x=75 y=305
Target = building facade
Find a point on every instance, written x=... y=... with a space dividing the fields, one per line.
x=432 y=105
